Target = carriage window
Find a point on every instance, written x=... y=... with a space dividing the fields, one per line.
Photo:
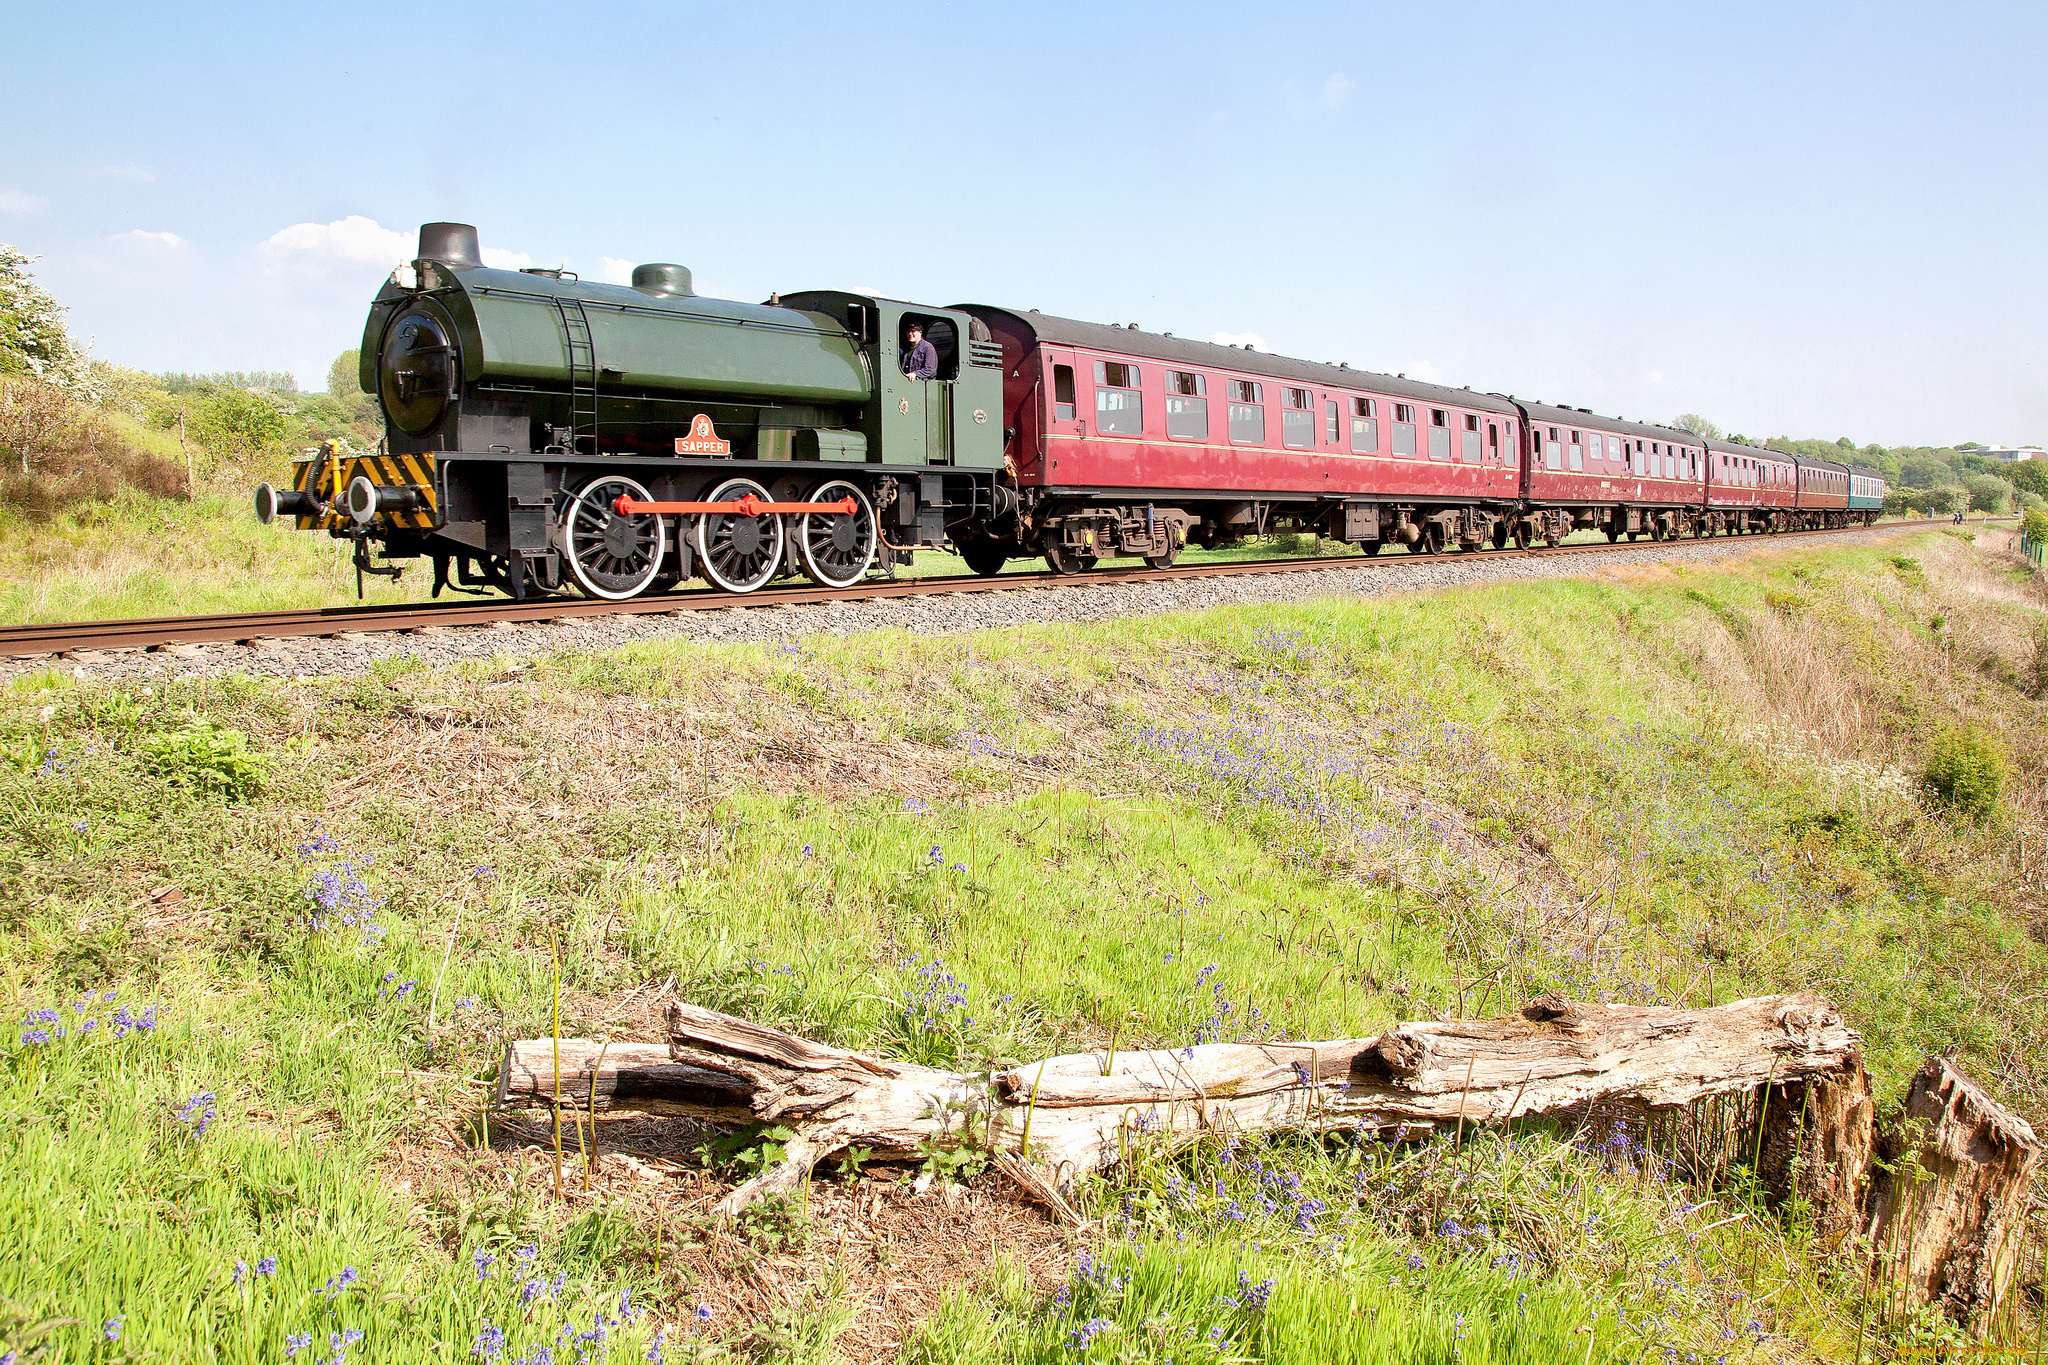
x=1439 y=442
x=1330 y=422
x=1576 y=452
x=1553 y=452
x=1403 y=412
x=1247 y=412
x=1404 y=429
x=1063 y=393
x=1297 y=419
x=1119 y=407
x=1187 y=407
x=1472 y=452
x=1365 y=426
x=1493 y=438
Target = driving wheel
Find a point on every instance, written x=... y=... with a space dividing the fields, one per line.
x=835 y=548
x=612 y=555
x=738 y=552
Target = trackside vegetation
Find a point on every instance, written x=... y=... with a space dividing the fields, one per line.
x=265 y=942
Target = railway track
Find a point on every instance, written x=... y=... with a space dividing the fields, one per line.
x=168 y=632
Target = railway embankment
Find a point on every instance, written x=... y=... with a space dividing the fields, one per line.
x=268 y=938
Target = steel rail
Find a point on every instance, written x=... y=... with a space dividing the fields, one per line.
x=252 y=626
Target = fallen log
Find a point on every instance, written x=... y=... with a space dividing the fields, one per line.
x=1948 y=1215
x=1067 y=1116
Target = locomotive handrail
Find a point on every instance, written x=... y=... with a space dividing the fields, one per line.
x=748 y=506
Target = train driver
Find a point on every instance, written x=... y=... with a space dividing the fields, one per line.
x=920 y=361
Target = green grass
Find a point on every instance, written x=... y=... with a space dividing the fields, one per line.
x=1301 y=821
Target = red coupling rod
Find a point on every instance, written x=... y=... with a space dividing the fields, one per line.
x=748 y=506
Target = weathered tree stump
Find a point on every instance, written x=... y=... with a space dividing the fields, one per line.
x=1948 y=1218
x=1067 y=1116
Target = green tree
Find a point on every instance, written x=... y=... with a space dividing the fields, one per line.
x=1988 y=492
x=239 y=424
x=2031 y=475
x=1697 y=425
x=33 y=341
x=1921 y=471
x=2034 y=525
x=344 y=376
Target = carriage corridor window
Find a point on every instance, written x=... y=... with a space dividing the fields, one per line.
x=1297 y=419
x=1365 y=426
x=1439 y=434
x=1404 y=429
x=1614 y=449
x=1247 y=413
x=1119 y=407
x=1187 y=409
x=1553 y=452
x=1330 y=422
x=1471 y=452
x=1577 y=452
x=1063 y=393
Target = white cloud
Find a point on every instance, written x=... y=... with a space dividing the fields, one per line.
x=1653 y=376
x=612 y=270
x=1334 y=93
x=1253 y=339
x=143 y=238
x=354 y=240
x=129 y=171
x=1424 y=371
x=506 y=260
x=15 y=201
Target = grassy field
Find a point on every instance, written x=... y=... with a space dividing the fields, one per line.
x=266 y=941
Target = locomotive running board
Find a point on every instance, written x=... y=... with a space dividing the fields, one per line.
x=749 y=506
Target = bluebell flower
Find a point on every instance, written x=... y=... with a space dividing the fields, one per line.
x=241 y=1271
x=654 y=1347
x=489 y=1341
x=297 y=1342
x=203 y=1106
x=482 y=1260
x=33 y=1037
x=703 y=1312
x=113 y=1327
x=267 y=1266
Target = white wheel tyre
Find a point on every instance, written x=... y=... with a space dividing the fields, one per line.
x=836 y=548
x=612 y=555
x=735 y=552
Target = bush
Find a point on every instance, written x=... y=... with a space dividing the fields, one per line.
x=206 y=758
x=2034 y=524
x=239 y=424
x=1965 y=773
x=61 y=452
x=1988 y=493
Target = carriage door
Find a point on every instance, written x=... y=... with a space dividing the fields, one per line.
x=1065 y=418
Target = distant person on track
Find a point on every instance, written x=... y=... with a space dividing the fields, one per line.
x=920 y=361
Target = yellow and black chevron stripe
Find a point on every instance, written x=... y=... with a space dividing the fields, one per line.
x=335 y=472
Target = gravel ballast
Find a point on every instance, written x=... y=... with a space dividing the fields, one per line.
x=939 y=614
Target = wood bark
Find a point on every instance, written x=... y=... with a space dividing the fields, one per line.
x=1066 y=1116
x=1949 y=1216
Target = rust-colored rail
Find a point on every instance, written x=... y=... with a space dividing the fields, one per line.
x=245 y=627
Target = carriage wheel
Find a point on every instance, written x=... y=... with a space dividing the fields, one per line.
x=612 y=555
x=1165 y=561
x=985 y=557
x=1371 y=547
x=1523 y=535
x=836 y=548
x=1067 y=562
x=1614 y=535
x=739 y=553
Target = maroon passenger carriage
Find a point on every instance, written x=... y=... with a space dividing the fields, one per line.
x=1130 y=443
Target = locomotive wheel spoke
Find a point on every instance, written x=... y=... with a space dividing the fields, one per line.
x=739 y=553
x=836 y=548
x=611 y=555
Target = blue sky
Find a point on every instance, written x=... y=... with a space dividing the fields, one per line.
x=1811 y=219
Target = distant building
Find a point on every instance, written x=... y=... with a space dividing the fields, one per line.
x=2010 y=454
